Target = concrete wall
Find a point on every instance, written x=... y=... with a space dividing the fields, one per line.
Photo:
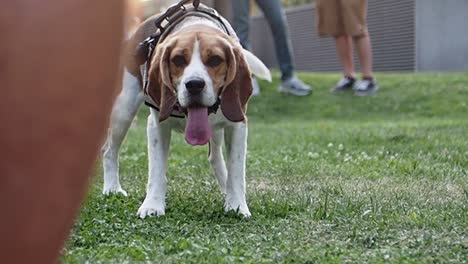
x=442 y=35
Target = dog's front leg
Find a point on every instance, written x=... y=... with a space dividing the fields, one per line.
x=236 y=148
x=159 y=137
x=124 y=111
x=217 y=160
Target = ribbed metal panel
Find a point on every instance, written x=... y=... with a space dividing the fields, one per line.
x=391 y=25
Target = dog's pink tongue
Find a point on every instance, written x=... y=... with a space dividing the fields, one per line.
x=198 y=130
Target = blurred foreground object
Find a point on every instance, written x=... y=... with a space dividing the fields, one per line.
x=133 y=15
x=58 y=67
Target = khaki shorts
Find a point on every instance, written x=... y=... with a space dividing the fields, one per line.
x=342 y=17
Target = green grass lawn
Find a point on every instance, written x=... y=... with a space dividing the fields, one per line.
x=331 y=179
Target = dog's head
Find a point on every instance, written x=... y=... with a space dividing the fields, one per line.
x=195 y=67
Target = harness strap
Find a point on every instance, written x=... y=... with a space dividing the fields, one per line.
x=211 y=110
x=201 y=11
x=150 y=105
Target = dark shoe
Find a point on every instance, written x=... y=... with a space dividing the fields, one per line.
x=366 y=87
x=345 y=84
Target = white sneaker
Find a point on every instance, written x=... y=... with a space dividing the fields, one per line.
x=256 y=87
x=295 y=86
x=366 y=87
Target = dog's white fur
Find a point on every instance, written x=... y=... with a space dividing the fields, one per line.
x=230 y=176
x=196 y=69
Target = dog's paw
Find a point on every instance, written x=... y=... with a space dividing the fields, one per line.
x=238 y=206
x=150 y=208
x=108 y=190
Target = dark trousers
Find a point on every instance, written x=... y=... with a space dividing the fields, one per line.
x=276 y=18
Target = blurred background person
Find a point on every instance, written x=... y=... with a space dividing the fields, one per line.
x=133 y=16
x=273 y=11
x=345 y=20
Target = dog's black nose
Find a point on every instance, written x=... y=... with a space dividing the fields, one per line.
x=195 y=86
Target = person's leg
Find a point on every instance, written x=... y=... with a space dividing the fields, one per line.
x=330 y=23
x=354 y=16
x=364 y=51
x=241 y=22
x=59 y=61
x=368 y=85
x=276 y=18
x=344 y=47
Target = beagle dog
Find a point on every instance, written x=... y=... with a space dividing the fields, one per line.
x=197 y=67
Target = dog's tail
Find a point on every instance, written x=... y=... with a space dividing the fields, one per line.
x=256 y=66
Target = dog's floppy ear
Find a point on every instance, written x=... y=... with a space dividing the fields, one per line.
x=239 y=88
x=160 y=87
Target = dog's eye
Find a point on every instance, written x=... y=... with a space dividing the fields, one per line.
x=179 y=61
x=214 y=61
